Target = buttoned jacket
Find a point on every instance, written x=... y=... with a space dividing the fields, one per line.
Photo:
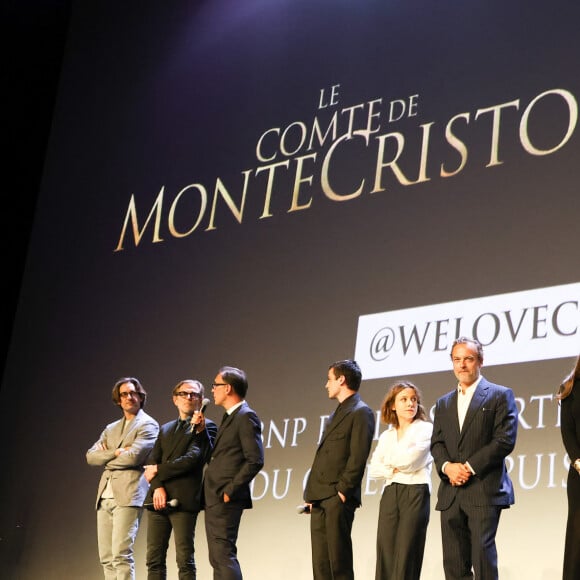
x=487 y=437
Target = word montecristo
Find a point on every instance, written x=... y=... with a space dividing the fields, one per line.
x=299 y=161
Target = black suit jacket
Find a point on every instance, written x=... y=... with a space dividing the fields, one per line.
x=237 y=457
x=341 y=456
x=570 y=423
x=488 y=436
x=180 y=458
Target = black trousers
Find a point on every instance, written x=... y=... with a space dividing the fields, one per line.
x=401 y=531
x=330 y=533
x=159 y=528
x=222 y=524
x=571 y=569
x=468 y=535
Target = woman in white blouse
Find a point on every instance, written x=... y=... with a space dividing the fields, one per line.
x=402 y=458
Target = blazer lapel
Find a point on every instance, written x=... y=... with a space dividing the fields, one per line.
x=176 y=436
x=121 y=432
x=341 y=412
x=225 y=422
x=476 y=402
x=453 y=412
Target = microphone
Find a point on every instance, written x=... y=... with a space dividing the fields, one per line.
x=201 y=411
x=204 y=405
x=303 y=509
x=172 y=503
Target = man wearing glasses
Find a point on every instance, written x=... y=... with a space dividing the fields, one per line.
x=122 y=450
x=175 y=471
x=237 y=457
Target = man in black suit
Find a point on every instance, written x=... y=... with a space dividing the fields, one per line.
x=333 y=490
x=237 y=457
x=174 y=471
x=474 y=430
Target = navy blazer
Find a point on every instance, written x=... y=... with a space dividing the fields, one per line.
x=237 y=457
x=181 y=457
x=488 y=436
x=341 y=456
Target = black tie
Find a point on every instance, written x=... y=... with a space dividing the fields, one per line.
x=182 y=424
x=224 y=418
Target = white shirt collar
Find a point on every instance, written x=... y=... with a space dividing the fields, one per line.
x=469 y=390
x=234 y=407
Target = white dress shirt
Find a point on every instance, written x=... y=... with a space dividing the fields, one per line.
x=463 y=400
x=411 y=455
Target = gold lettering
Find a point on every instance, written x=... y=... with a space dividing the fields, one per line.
x=132 y=215
x=220 y=189
x=457 y=144
x=202 y=208
x=496 y=109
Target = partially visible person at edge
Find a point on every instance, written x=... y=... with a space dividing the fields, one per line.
x=174 y=471
x=237 y=457
x=569 y=397
x=333 y=490
x=403 y=461
x=122 y=449
x=474 y=430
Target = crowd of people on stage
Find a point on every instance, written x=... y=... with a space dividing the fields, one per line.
x=191 y=464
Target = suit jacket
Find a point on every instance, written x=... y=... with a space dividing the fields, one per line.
x=341 y=456
x=237 y=457
x=180 y=458
x=570 y=423
x=488 y=436
x=125 y=471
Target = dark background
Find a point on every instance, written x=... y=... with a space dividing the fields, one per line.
x=35 y=33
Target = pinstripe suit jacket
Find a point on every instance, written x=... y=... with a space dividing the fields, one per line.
x=488 y=436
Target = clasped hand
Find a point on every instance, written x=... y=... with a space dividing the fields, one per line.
x=458 y=473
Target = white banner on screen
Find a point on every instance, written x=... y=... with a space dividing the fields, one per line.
x=517 y=327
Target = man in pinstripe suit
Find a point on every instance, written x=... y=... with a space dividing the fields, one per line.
x=474 y=430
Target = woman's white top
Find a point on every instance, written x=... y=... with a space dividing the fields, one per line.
x=411 y=455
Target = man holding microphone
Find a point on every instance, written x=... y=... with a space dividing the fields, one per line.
x=174 y=471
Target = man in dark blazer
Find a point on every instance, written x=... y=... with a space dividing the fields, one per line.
x=174 y=470
x=333 y=489
x=474 y=430
x=237 y=457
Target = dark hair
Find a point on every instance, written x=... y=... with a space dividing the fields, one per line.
x=568 y=383
x=236 y=378
x=138 y=389
x=466 y=340
x=192 y=383
x=350 y=370
x=388 y=415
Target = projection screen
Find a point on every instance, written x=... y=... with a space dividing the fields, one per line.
x=277 y=185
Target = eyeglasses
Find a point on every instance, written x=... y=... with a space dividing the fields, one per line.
x=188 y=395
x=216 y=385
x=128 y=394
